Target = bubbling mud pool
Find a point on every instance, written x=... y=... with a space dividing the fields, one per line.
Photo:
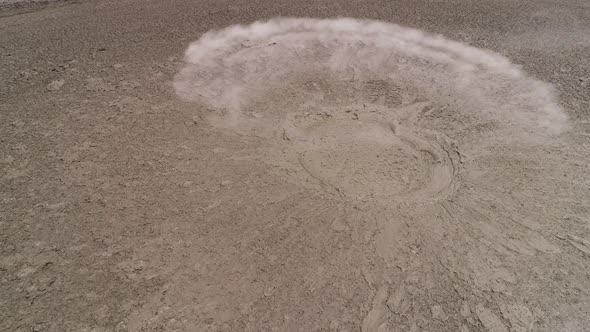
x=366 y=109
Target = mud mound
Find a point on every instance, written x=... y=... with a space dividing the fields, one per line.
x=366 y=109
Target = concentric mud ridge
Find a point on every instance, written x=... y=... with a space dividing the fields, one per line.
x=364 y=109
x=363 y=152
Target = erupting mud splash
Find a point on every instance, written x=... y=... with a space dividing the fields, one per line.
x=366 y=109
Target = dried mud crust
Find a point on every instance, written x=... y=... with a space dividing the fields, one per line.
x=309 y=200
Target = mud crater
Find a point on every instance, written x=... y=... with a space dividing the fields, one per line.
x=365 y=110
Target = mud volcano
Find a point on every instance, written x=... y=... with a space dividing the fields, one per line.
x=366 y=110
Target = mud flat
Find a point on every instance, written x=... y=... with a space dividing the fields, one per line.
x=163 y=168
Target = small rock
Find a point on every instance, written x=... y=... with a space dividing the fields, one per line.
x=398 y=301
x=117 y=66
x=415 y=248
x=438 y=313
x=338 y=225
x=269 y=291
x=55 y=85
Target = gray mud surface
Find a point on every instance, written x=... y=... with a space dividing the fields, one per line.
x=295 y=175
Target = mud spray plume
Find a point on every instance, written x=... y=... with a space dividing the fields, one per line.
x=239 y=66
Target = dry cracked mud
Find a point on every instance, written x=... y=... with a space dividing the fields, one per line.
x=293 y=174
